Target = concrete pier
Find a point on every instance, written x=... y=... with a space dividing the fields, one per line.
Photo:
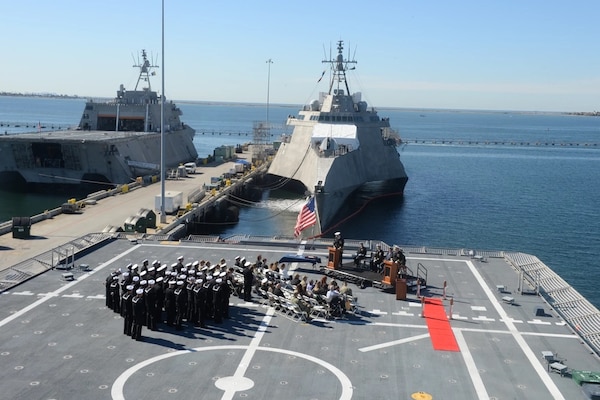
x=53 y=229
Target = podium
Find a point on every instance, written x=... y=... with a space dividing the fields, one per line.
x=401 y=289
x=335 y=258
x=390 y=272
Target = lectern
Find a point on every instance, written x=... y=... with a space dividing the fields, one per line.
x=390 y=272
x=335 y=257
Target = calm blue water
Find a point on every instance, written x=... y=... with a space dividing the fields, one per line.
x=540 y=199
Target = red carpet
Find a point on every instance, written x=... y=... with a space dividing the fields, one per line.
x=440 y=331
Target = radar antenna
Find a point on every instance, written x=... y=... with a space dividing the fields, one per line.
x=339 y=66
x=146 y=70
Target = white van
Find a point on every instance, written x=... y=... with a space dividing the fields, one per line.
x=190 y=167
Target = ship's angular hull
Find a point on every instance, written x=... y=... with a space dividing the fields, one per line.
x=116 y=142
x=338 y=145
x=74 y=157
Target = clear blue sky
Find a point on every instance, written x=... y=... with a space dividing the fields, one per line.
x=537 y=55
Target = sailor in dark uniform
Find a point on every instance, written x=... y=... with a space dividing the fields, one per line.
x=179 y=265
x=360 y=255
x=227 y=284
x=170 y=303
x=127 y=310
x=180 y=304
x=199 y=302
x=218 y=294
x=208 y=296
x=150 y=296
x=160 y=299
x=237 y=263
x=377 y=260
x=189 y=289
x=151 y=272
x=115 y=294
x=338 y=241
x=125 y=281
x=107 y=282
x=139 y=314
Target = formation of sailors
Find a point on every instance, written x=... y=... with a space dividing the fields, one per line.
x=153 y=294
x=191 y=294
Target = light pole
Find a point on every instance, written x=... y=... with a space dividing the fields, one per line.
x=269 y=62
x=163 y=217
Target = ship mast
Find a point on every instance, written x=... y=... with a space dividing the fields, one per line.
x=339 y=66
x=145 y=70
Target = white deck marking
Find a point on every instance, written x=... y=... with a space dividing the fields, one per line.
x=377 y=312
x=539 y=322
x=459 y=317
x=403 y=313
x=393 y=343
x=483 y=318
x=237 y=382
x=73 y=296
x=535 y=363
x=238 y=376
x=50 y=295
x=478 y=384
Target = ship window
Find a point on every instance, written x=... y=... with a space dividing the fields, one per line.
x=344 y=118
x=338 y=118
x=358 y=118
x=326 y=118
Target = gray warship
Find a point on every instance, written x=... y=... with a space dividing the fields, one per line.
x=116 y=141
x=338 y=145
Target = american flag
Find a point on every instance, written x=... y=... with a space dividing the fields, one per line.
x=307 y=216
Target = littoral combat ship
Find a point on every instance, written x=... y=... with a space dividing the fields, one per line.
x=116 y=142
x=337 y=146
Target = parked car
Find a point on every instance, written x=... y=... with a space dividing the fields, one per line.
x=190 y=167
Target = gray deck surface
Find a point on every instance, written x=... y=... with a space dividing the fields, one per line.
x=58 y=340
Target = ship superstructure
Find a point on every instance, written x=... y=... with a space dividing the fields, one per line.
x=115 y=142
x=338 y=144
